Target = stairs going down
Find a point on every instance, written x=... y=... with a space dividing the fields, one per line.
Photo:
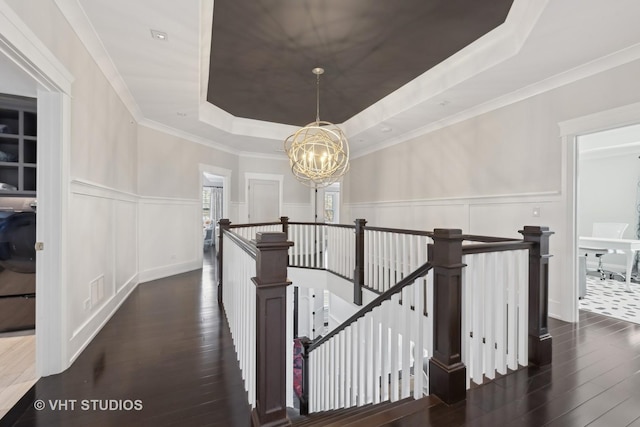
x=403 y=413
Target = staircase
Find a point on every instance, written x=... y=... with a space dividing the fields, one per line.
x=405 y=412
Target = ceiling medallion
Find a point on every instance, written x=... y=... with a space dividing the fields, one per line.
x=319 y=152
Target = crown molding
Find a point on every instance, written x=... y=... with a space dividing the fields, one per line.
x=24 y=48
x=597 y=66
x=80 y=24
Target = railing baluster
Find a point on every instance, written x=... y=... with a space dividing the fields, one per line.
x=355 y=365
x=406 y=344
x=394 y=361
x=523 y=314
x=376 y=354
x=502 y=261
x=417 y=320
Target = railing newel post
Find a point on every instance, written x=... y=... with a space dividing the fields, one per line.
x=358 y=274
x=271 y=325
x=223 y=224
x=539 y=337
x=447 y=372
x=284 y=220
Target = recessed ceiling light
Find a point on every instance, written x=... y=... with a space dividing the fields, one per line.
x=159 y=35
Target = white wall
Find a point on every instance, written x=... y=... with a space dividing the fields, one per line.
x=101 y=220
x=608 y=178
x=170 y=222
x=486 y=174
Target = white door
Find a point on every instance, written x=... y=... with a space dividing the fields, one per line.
x=264 y=200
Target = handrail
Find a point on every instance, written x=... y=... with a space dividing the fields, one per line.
x=246 y=245
x=500 y=246
x=409 y=279
x=254 y=224
x=322 y=223
x=488 y=239
x=400 y=231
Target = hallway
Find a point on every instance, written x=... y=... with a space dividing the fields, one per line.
x=168 y=347
x=168 y=350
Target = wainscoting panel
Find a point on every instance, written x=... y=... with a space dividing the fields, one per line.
x=102 y=256
x=169 y=236
x=499 y=215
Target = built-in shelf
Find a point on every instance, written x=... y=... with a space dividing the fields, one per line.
x=18 y=145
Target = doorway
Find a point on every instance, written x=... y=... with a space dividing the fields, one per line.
x=214 y=205
x=264 y=197
x=29 y=70
x=608 y=197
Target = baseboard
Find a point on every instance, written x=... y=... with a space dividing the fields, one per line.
x=169 y=270
x=101 y=317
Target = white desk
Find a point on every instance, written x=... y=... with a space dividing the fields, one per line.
x=626 y=246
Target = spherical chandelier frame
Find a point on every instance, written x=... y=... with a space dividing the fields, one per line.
x=319 y=152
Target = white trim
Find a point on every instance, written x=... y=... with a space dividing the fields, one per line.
x=604 y=120
x=21 y=46
x=541 y=196
x=88 y=188
x=151 y=124
x=266 y=177
x=570 y=130
x=599 y=65
x=114 y=302
x=611 y=151
x=54 y=130
x=149 y=200
x=169 y=270
x=79 y=22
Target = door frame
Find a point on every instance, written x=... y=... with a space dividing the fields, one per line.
x=21 y=46
x=570 y=130
x=226 y=199
x=264 y=177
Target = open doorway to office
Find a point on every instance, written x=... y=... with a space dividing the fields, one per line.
x=608 y=207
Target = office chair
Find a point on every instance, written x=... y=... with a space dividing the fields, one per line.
x=607 y=230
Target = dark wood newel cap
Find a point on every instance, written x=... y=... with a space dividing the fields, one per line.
x=267 y=238
x=447 y=233
x=535 y=230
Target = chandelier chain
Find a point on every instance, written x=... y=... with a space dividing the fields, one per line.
x=317 y=98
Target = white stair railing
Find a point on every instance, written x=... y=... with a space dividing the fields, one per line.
x=390 y=255
x=378 y=354
x=495 y=312
x=310 y=248
x=239 y=299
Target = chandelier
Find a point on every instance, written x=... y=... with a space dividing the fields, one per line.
x=319 y=152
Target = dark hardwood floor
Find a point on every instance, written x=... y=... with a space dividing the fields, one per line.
x=169 y=347
x=594 y=380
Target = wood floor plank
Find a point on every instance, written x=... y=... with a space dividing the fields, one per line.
x=169 y=346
